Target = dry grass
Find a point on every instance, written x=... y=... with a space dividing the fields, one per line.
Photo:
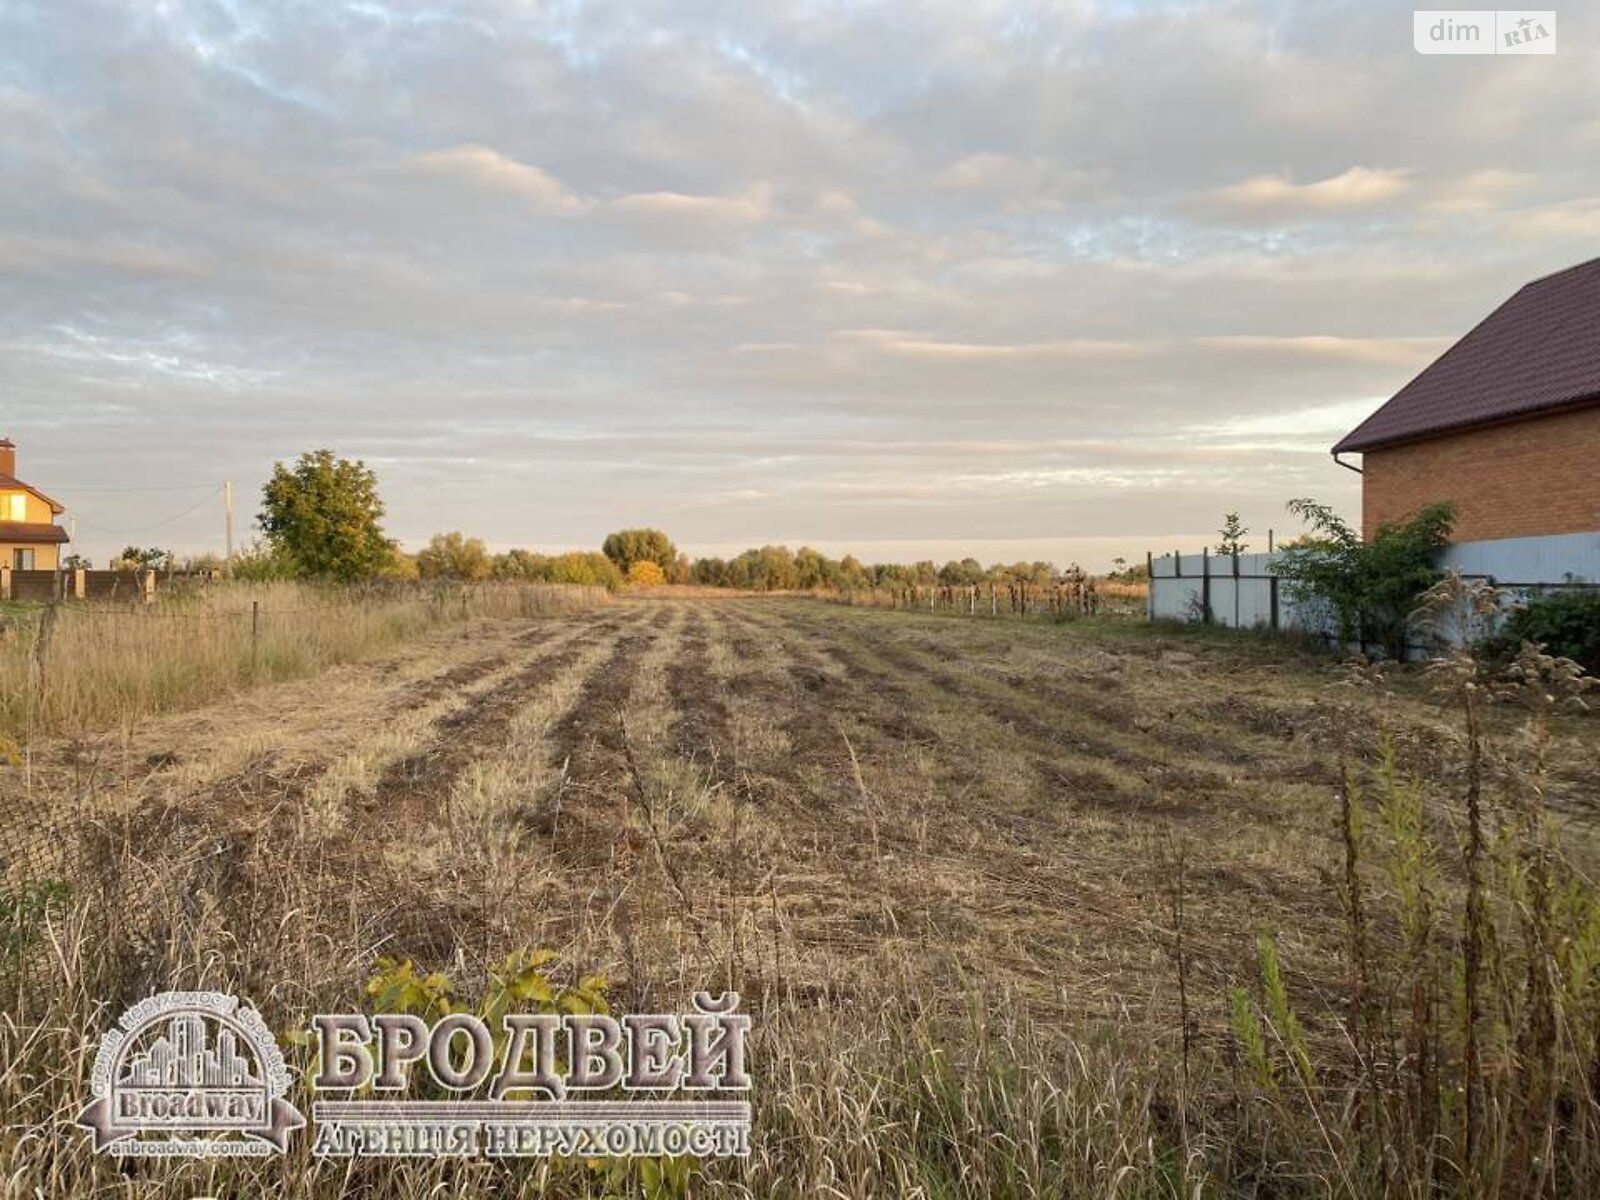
x=936 y=857
x=79 y=668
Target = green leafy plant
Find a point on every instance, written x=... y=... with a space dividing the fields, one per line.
x=1566 y=622
x=1371 y=587
x=525 y=982
x=23 y=910
x=1232 y=535
x=1252 y=1039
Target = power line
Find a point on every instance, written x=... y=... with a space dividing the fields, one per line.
x=69 y=489
x=215 y=492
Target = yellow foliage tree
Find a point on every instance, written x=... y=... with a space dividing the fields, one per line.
x=645 y=573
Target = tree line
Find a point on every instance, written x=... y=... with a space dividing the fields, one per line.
x=321 y=517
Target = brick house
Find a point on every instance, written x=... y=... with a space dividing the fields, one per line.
x=30 y=539
x=1505 y=424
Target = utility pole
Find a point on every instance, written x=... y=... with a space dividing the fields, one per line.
x=227 y=505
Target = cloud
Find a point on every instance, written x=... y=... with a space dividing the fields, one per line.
x=678 y=210
x=1357 y=188
x=485 y=168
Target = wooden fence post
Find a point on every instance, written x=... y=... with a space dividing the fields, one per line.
x=1272 y=592
x=1205 y=584
x=255 y=635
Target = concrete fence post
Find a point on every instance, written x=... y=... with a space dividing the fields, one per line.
x=147 y=586
x=5 y=583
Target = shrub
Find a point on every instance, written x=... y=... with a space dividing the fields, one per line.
x=1372 y=586
x=1565 y=622
x=645 y=573
x=454 y=556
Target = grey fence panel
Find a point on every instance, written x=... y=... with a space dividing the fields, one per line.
x=1246 y=593
x=1557 y=559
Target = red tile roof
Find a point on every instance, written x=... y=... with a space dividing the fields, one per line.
x=1538 y=351
x=17 y=531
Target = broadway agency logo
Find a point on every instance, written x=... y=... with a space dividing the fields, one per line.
x=190 y=1073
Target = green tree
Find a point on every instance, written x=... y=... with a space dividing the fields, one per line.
x=629 y=546
x=454 y=556
x=1233 y=534
x=812 y=569
x=521 y=564
x=1370 y=587
x=962 y=574
x=587 y=567
x=324 y=513
x=136 y=558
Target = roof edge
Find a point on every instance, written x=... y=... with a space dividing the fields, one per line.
x=12 y=481
x=1352 y=443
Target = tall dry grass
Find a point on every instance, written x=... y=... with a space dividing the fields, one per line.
x=74 y=668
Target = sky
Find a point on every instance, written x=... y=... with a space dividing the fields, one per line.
x=1064 y=281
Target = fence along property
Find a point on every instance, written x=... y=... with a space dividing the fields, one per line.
x=1243 y=592
x=46 y=587
x=1078 y=596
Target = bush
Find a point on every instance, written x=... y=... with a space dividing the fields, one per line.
x=1371 y=586
x=646 y=574
x=1565 y=622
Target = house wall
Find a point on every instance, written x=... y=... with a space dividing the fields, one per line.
x=45 y=558
x=38 y=511
x=1527 y=479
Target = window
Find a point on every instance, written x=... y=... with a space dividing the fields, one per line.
x=16 y=507
x=22 y=560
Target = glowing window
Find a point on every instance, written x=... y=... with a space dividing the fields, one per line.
x=16 y=507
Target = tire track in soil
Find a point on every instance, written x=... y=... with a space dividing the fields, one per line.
x=815 y=695
x=1029 y=726
x=702 y=732
x=588 y=742
x=1025 y=877
x=1171 y=789
x=415 y=787
x=1118 y=714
